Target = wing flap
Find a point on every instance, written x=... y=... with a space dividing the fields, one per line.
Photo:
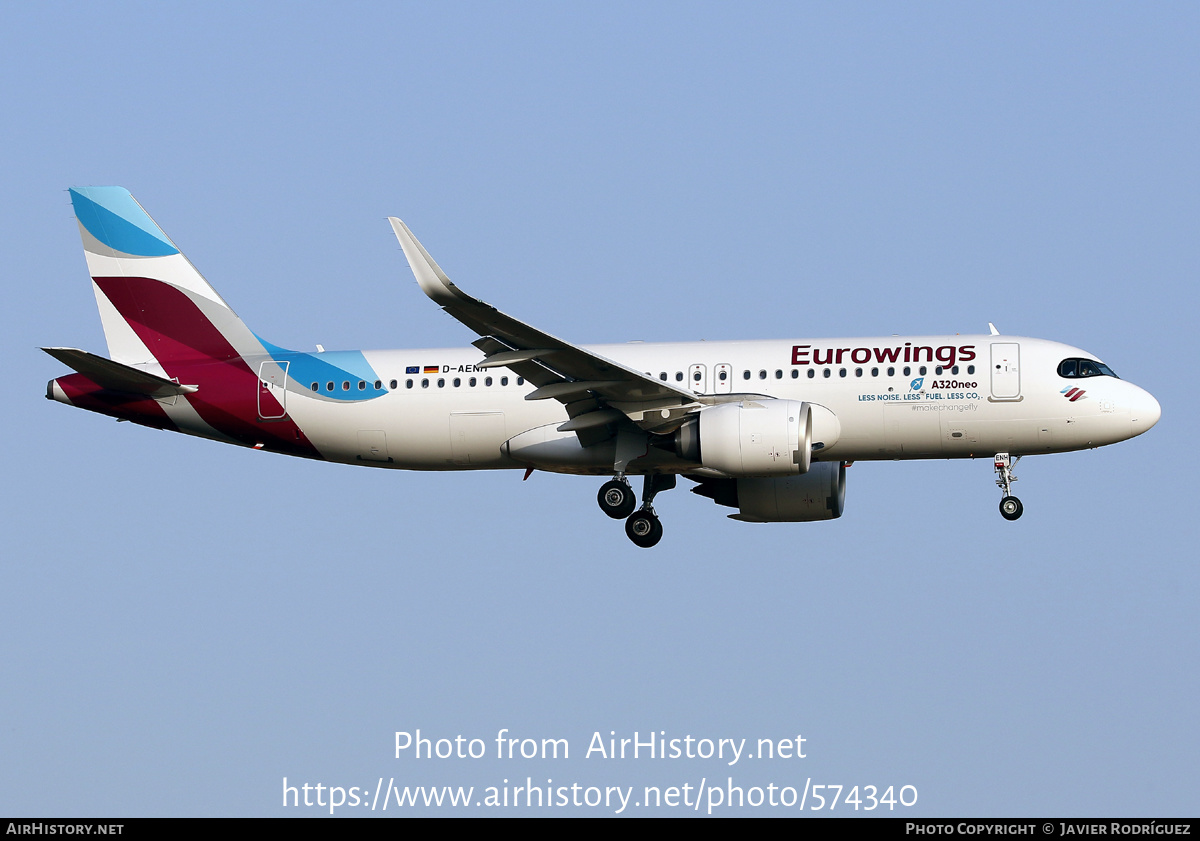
x=573 y=389
x=508 y=357
x=591 y=420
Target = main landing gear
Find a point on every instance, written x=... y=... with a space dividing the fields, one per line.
x=616 y=498
x=1010 y=507
x=644 y=529
x=617 y=501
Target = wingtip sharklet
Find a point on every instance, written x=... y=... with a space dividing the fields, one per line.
x=432 y=280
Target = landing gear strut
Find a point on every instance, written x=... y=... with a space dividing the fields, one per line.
x=1010 y=507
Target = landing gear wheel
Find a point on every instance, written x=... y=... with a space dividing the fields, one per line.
x=644 y=529
x=616 y=499
x=1011 y=508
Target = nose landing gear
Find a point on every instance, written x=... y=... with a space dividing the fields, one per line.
x=1010 y=507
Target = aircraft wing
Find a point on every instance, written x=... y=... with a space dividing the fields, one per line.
x=597 y=391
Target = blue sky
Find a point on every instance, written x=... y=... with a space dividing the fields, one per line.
x=187 y=623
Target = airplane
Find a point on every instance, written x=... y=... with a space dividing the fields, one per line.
x=764 y=427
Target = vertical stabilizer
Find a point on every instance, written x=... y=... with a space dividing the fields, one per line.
x=155 y=307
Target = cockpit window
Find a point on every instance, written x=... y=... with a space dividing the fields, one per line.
x=1077 y=368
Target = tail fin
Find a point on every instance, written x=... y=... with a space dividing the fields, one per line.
x=155 y=307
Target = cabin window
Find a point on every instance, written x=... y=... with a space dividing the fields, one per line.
x=827 y=373
x=723 y=375
x=663 y=376
x=970 y=369
x=520 y=381
x=938 y=370
x=762 y=375
x=393 y=384
x=504 y=381
x=362 y=385
x=874 y=372
x=345 y=385
x=812 y=373
x=696 y=376
x=457 y=382
x=471 y=382
x=441 y=382
x=424 y=383
x=745 y=375
x=487 y=381
x=922 y=370
x=316 y=386
x=858 y=372
x=954 y=370
x=378 y=385
x=407 y=384
x=679 y=376
x=778 y=374
x=795 y=373
x=841 y=372
x=891 y=372
x=329 y=386
x=907 y=371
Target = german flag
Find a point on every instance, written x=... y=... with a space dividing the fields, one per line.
x=430 y=369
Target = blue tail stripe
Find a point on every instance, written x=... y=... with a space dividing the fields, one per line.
x=336 y=366
x=111 y=215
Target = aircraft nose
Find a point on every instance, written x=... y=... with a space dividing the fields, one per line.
x=1144 y=411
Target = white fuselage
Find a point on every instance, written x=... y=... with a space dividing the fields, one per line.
x=893 y=397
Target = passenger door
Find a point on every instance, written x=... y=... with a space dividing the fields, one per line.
x=1006 y=371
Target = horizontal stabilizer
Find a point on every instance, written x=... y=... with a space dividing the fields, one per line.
x=117 y=377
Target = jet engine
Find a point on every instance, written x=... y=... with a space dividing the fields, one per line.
x=819 y=494
x=766 y=437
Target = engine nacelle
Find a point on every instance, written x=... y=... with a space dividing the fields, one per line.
x=766 y=437
x=819 y=494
